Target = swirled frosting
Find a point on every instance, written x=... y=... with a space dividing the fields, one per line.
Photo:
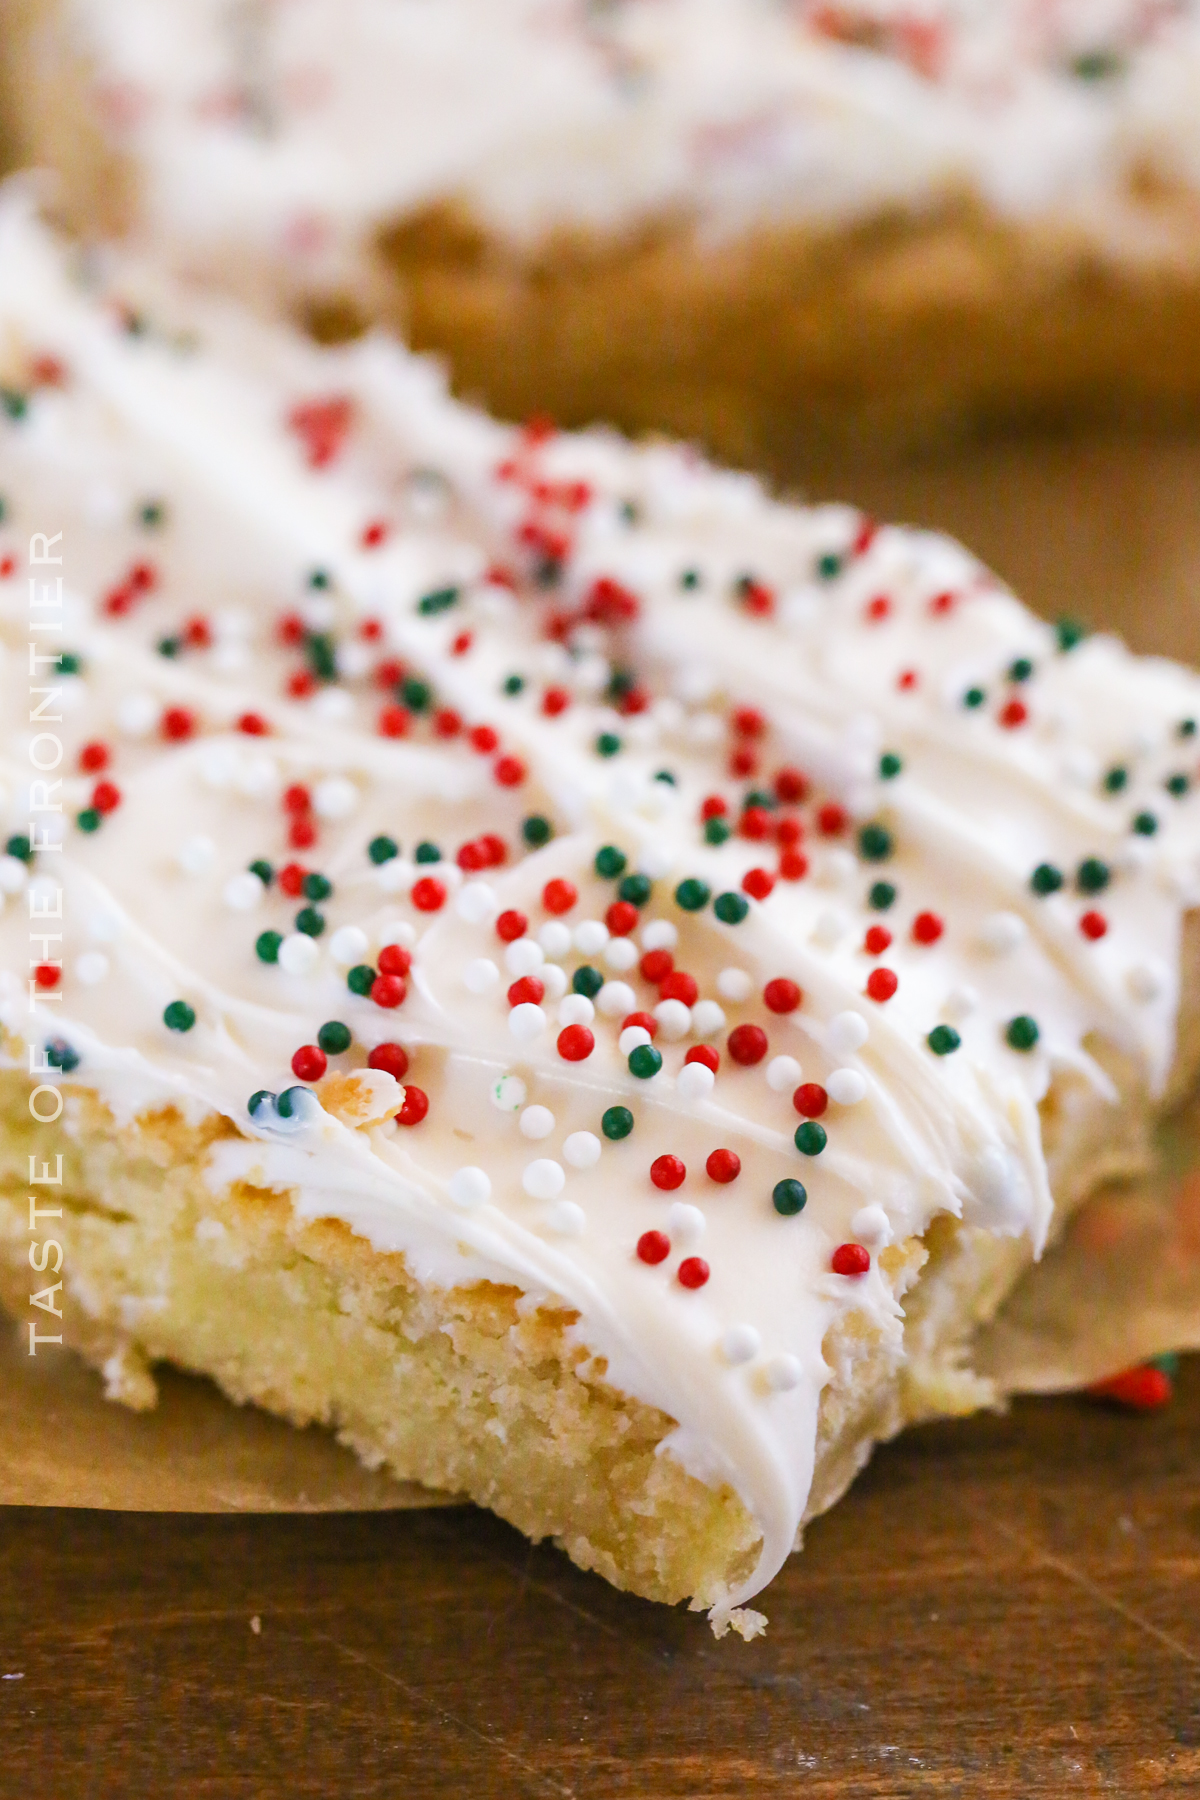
x=406 y=757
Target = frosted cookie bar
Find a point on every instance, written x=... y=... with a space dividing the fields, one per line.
x=588 y=981
x=761 y=225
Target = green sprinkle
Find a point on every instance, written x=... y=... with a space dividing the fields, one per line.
x=151 y=514
x=536 y=830
x=266 y=946
x=61 y=1055
x=1046 y=879
x=1068 y=633
x=319 y=578
x=731 y=908
x=974 y=697
x=689 y=580
x=514 y=684
x=1177 y=785
x=382 y=849
x=14 y=404
x=628 y=512
x=881 y=896
x=617 y=1123
x=692 y=894
x=334 y=1037
x=811 y=1138
x=263 y=870
x=179 y=1016
x=439 y=601
x=1115 y=780
x=1145 y=824
x=890 y=765
x=943 y=1039
x=607 y=744
x=321 y=651
x=1020 y=670
x=789 y=1197
x=875 y=843
x=1022 y=1032
x=1168 y=1362
x=310 y=921
x=667 y=776
x=610 y=862
x=427 y=852
x=716 y=831
x=1186 y=728
x=69 y=663
x=587 y=981
x=644 y=1061
x=1097 y=65
x=89 y=819
x=168 y=646
x=361 y=978
x=20 y=847
x=317 y=887
x=760 y=797
x=1092 y=876
x=636 y=889
x=415 y=694
x=262 y=1100
x=829 y=566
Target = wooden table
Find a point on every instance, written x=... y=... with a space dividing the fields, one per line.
x=1002 y=1607
x=1007 y=1606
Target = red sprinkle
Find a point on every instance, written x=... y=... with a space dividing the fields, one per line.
x=723 y=1166
x=373 y=534
x=656 y=965
x=47 y=975
x=528 y=991
x=743 y=761
x=393 y=722
x=927 y=928
x=446 y=722
x=394 y=959
x=877 y=940
x=389 y=672
x=177 y=723
x=428 y=895
x=290 y=630
x=509 y=771
x=555 y=701
x=793 y=865
x=791 y=786
x=297 y=799
x=511 y=925
x=302 y=685
x=416 y=1105
x=758 y=600
x=713 y=807
x=471 y=858
x=789 y=831
x=1144 y=1389
x=462 y=643
x=646 y=1020
x=704 y=1053
x=559 y=896
x=1093 y=925
x=291 y=880
x=389 y=990
x=309 y=1063
x=941 y=604
x=850 y=1259
x=832 y=819
x=391 y=1058
x=749 y=722
x=782 y=995
x=484 y=738
x=758 y=883
x=654 y=1246
x=302 y=833
x=106 y=796
x=679 y=986
x=621 y=917
x=693 y=1272
x=494 y=848
x=371 y=630
x=907 y=680
x=197 y=634
x=575 y=1043
x=755 y=823
x=747 y=1044
x=253 y=724
x=876 y=610
x=882 y=984
x=810 y=1100
x=1012 y=714
x=667 y=1172
x=94 y=757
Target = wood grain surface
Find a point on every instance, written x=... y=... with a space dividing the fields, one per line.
x=1001 y=1607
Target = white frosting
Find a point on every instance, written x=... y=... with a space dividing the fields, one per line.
x=271 y=138
x=182 y=426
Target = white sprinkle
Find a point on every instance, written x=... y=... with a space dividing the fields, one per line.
x=334 y=798
x=659 y=934
x=242 y=893
x=591 y=935
x=615 y=999
x=1001 y=932
x=196 y=855
x=257 y=776
x=526 y=1022
x=847 y=1032
x=582 y=1150
x=480 y=975
x=707 y=1018
x=554 y=980
x=102 y=928
x=396 y=875
x=782 y=1373
x=13 y=875
x=783 y=1072
x=544 y=1179
x=91 y=967
x=846 y=1087
x=218 y=766
x=523 y=957
x=656 y=858
x=959 y=1003
x=871 y=1226
x=555 y=939
x=576 y=1009
x=348 y=945
x=620 y=954
x=631 y=1037
x=476 y=903
x=837 y=868
x=674 y=1019
x=136 y=715
x=298 y=954
x=735 y=984
x=565 y=1218
x=318 y=612
x=508 y=1095
x=687 y=1223
x=353 y=661
x=741 y=1344
x=536 y=1122
x=333 y=704
x=1080 y=767
x=829 y=928
x=1146 y=981
x=695 y=1081
x=397 y=931
x=470 y=1187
